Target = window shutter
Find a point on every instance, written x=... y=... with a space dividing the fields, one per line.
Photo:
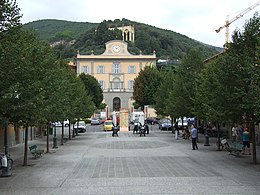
x=119 y=68
x=113 y=68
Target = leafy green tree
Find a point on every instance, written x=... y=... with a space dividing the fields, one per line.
x=229 y=86
x=181 y=94
x=145 y=86
x=35 y=88
x=22 y=89
x=93 y=88
x=162 y=94
x=210 y=94
x=9 y=15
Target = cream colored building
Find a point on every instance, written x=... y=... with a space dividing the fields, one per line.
x=115 y=70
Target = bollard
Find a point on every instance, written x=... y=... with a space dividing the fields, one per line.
x=55 y=144
x=176 y=134
x=206 y=140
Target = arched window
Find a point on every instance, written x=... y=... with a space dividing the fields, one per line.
x=116 y=104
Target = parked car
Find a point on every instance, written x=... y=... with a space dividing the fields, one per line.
x=58 y=123
x=80 y=126
x=108 y=125
x=66 y=123
x=151 y=120
x=186 y=122
x=95 y=121
x=102 y=120
x=165 y=124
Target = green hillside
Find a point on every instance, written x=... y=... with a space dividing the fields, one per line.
x=92 y=36
x=49 y=28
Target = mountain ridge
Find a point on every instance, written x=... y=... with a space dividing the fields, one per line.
x=167 y=43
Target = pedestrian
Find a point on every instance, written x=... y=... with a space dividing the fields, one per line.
x=176 y=127
x=240 y=133
x=246 y=141
x=194 y=136
x=234 y=132
x=115 y=129
x=184 y=133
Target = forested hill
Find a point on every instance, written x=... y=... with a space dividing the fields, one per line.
x=50 y=29
x=86 y=37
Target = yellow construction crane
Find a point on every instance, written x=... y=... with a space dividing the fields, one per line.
x=228 y=22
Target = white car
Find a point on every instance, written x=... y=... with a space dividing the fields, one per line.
x=80 y=126
x=58 y=123
x=66 y=123
x=186 y=121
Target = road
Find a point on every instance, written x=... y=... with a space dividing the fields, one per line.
x=97 y=163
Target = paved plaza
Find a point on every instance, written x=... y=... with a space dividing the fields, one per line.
x=97 y=163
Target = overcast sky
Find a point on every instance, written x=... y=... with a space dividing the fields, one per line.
x=197 y=19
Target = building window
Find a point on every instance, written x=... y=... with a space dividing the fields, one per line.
x=85 y=69
x=131 y=69
x=116 y=68
x=101 y=69
x=131 y=84
x=116 y=84
x=102 y=84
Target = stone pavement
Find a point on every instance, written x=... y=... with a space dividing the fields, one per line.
x=97 y=163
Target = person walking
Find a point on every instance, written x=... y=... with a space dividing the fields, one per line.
x=194 y=136
x=246 y=141
x=234 y=133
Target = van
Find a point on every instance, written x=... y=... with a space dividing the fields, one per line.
x=185 y=121
x=137 y=117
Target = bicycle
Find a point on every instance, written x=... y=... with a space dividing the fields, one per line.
x=223 y=145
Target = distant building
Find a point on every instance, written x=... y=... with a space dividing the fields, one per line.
x=128 y=32
x=115 y=70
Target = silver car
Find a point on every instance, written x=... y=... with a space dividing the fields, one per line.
x=80 y=126
x=95 y=121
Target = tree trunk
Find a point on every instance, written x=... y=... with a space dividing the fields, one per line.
x=218 y=134
x=25 y=156
x=252 y=132
x=62 y=132
x=69 y=130
x=6 y=135
x=47 y=138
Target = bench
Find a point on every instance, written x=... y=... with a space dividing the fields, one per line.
x=235 y=149
x=36 y=153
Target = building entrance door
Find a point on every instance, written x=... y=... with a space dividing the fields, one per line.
x=116 y=104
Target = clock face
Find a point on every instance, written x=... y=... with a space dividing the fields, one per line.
x=116 y=48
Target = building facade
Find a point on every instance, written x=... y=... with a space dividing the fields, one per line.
x=115 y=70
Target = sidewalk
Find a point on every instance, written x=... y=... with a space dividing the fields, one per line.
x=97 y=163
